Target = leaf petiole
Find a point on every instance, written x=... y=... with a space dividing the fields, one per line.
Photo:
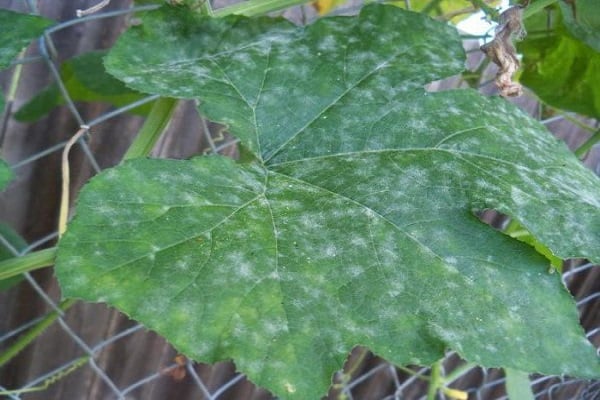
x=10 y=98
x=582 y=150
x=438 y=383
x=29 y=262
x=157 y=121
x=34 y=332
x=435 y=381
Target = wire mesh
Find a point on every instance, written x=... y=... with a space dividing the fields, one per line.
x=90 y=351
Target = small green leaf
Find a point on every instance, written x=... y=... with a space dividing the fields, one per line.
x=562 y=70
x=85 y=79
x=17 y=32
x=354 y=223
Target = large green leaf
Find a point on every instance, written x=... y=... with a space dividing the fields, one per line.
x=84 y=79
x=354 y=225
x=561 y=69
x=17 y=31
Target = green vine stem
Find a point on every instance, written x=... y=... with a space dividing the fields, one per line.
x=577 y=122
x=156 y=122
x=55 y=377
x=10 y=98
x=457 y=372
x=435 y=380
x=587 y=145
x=34 y=332
x=438 y=383
x=16 y=266
x=29 y=262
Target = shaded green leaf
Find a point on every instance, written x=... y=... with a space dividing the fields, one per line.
x=17 y=32
x=354 y=224
x=562 y=70
x=85 y=79
x=582 y=20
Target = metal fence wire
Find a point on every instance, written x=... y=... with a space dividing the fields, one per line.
x=93 y=352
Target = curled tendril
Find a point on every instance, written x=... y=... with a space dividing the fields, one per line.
x=93 y=9
x=502 y=51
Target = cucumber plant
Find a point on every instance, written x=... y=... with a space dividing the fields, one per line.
x=351 y=218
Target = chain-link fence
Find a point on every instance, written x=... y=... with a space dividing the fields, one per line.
x=90 y=351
